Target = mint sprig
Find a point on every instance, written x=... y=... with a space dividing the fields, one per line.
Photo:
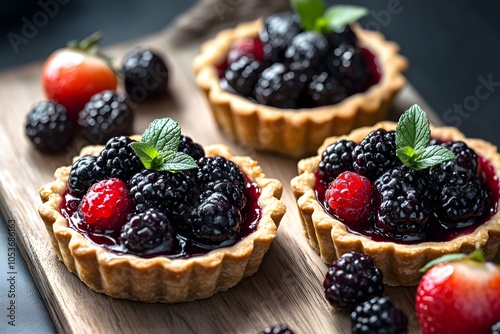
x=413 y=134
x=158 y=147
x=314 y=16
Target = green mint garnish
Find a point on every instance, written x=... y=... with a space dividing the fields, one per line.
x=315 y=16
x=158 y=147
x=413 y=134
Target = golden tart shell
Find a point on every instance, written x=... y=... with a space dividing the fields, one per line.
x=296 y=133
x=399 y=263
x=161 y=279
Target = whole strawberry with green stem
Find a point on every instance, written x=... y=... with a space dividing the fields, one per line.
x=459 y=294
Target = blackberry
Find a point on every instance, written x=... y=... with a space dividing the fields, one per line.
x=83 y=175
x=379 y=315
x=145 y=74
x=280 y=87
x=343 y=35
x=346 y=63
x=337 y=158
x=170 y=193
x=324 y=89
x=375 y=154
x=466 y=161
x=352 y=279
x=219 y=168
x=462 y=200
x=48 y=127
x=146 y=231
x=105 y=116
x=495 y=329
x=215 y=220
x=277 y=329
x=188 y=146
x=405 y=201
x=276 y=34
x=232 y=192
x=118 y=159
x=305 y=53
x=243 y=74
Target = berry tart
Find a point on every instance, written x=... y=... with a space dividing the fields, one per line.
x=159 y=218
x=286 y=82
x=403 y=193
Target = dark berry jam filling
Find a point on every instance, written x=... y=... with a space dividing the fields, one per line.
x=435 y=232
x=186 y=247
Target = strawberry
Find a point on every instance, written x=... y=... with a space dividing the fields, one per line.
x=459 y=294
x=71 y=75
x=106 y=204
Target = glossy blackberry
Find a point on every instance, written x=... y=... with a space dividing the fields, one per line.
x=466 y=161
x=118 y=159
x=405 y=202
x=379 y=315
x=170 y=193
x=232 y=192
x=278 y=329
x=48 y=127
x=375 y=154
x=105 y=116
x=145 y=74
x=337 y=158
x=352 y=279
x=148 y=230
x=280 y=87
x=495 y=329
x=346 y=63
x=190 y=147
x=324 y=89
x=243 y=74
x=462 y=200
x=306 y=52
x=343 y=35
x=219 y=168
x=82 y=175
x=215 y=220
x=276 y=34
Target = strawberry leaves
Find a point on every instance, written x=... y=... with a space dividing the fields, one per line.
x=158 y=147
x=413 y=134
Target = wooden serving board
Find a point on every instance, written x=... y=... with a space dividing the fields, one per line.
x=286 y=289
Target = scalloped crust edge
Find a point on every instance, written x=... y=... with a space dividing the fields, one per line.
x=296 y=133
x=160 y=279
x=399 y=263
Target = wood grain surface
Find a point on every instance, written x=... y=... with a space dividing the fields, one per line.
x=286 y=289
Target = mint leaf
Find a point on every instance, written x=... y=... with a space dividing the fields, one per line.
x=338 y=16
x=177 y=161
x=309 y=12
x=146 y=152
x=431 y=156
x=164 y=134
x=406 y=155
x=413 y=129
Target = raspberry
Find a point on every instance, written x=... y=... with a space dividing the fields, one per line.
x=83 y=174
x=105 y=116
x=148 y=230
x=404 y=201
x=232 y=192
x=106 y=204
x=118 y=159
x=462 y=200
x=278 y=329
x=375 y=154
x=305 y=53
x=170 y=193
x=465 y=161
x=249 y=47
x=188 y=146
x=349 y=197
x=48 y=127
x=346 y=63
x=379 y=315
x=337 y=158
x=276 y=34
x=324 y=89
x=145 y=74
x=279 y=87
x=215 y=220
x=351 y=279
x=243 y=74
x=219 y=168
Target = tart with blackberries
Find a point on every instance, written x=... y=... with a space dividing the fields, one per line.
x=403 y=193
x=159 y=218
x=286 y=82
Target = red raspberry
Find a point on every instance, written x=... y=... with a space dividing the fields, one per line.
x=106 y=204
x=350 y=197
x=250 y=47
